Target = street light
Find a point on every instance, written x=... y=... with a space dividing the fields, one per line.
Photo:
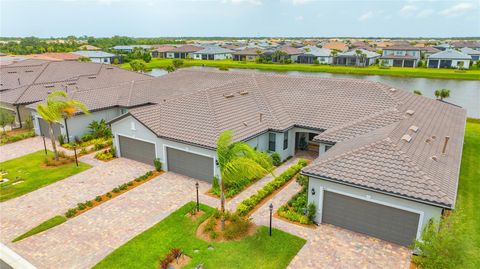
x=198 y=204
x=75 y=151
x=271 y=211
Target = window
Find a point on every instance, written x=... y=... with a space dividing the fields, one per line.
x=311 y=136
x=271 y=141
x=123 y=111
x=285 y=140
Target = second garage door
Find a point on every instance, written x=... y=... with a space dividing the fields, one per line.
x=137 y=150
x=44 y=129
x=190 y=164
x=387 y=223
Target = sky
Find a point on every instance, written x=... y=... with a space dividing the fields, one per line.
x=240 y=18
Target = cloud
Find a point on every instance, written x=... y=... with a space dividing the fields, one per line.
x=366 y=16
x=457 y=9
x=299 y=18
x=300 y=2
x=408 y=10
x=425 y=13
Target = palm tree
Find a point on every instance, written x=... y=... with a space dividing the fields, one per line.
x=442 y=93
x=238 y=160
x=59 y=106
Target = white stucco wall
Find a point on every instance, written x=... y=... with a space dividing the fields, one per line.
x=426 y=211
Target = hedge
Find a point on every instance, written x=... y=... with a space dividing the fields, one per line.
x=248 y=204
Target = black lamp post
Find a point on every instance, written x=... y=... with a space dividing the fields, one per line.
x=75 y=151
x=271 y=211
x=198 y=204
x=44 y=144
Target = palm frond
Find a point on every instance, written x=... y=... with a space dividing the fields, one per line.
x=241 y=167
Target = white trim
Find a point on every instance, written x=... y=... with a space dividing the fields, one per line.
x=188 y=151
x=119 y=150
x=13 y=259
x=369 y=199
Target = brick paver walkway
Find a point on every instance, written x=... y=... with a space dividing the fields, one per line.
x=85 y=240
x=25 y=212
x=333 y=247
x=252 y=189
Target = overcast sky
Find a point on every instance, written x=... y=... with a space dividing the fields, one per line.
x=291 y=18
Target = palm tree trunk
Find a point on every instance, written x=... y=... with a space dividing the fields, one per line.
x=52 y=138
x=222 y=205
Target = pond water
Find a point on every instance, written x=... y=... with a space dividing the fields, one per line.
x=464 y=93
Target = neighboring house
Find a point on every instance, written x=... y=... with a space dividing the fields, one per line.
x=401 y=56
x=105 y=89
x=131 y=48
x=475 y=54
x=352 y=58
x=98 y=56
x=427 y=51
x=443 y=46
x=339 y=46
x=389 y=160
x=247 y=54
x=449 y=58
x=312 y=54
x=182 y=52
x=161 y=51
x=291 y=53
x=89 y=47
x=213 y=53
x=466 y=44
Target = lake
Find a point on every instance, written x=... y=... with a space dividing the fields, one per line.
x=465 y=93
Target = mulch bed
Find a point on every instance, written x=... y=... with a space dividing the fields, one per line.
x=218 y=228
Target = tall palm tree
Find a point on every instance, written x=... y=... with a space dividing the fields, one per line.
x=442 y=94
x=238 y=160
x=59 y=106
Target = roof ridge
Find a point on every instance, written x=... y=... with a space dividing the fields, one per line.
x=254 y=78
x=33 y=82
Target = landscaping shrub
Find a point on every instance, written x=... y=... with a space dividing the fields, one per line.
x=177 y=63
x=104 y=155
x=5 y=139
x=86 y=137
x=81 y=206
x=238 y=227
x=116 y=190
x=248 y=204
x=276 y=158
x=109 y=195
x=100 y=129
x=130 y=183
x=83 y=151
x=98 y=146
x=157 y=164
x=215 y=184
x=71 y=212
x=98 y=198
x=311 y=212
x=89 y=203
x=61 y=139
x=302 y=180
x=223 y=68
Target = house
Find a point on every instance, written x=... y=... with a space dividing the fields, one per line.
x=466 y=44
x=356 y=58
x=287 y=53
x=182 y=52
x=449 y=58
x=89 y=47
x=475 y=54
x=401 y=56
x=443 y=46
x=161 y=51
x=213 y=53
x=105 y=89
x=383 y=44
x=339 y=46
x=427 y=51
x=247 y=54
x=131 y=48
x=98 y=56
x=388 y=159
x=314 y=54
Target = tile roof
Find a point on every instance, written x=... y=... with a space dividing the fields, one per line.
x=186 y=48
x=369 y=54
x=93 y=54
x=248 y=51
x=469 y=51
x=402 y=47
x=450 y=54
x=214 y=50
x=316 y=51
x=365 y=119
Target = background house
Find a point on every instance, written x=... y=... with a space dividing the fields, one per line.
x=356 y=58
x=312 y=54
x=182 y=52
x=98 y=56
x=213 y=53
x=161 y=51
x=247 y=54
x=475 y=54
x=449 y=58
x=401 y=56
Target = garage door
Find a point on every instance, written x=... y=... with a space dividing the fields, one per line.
x=45 y=131
x=137 y=150
x=387 y=223
x=190 y=164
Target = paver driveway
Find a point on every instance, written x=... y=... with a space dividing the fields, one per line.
x=20 y=148
x=333 y=247
x=85 y=240
x=20 y=214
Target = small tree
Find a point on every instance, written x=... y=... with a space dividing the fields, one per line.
x=138 y=65
x=6 y=118
x=177 y=63
x=170 y=68
x=147 y=57
x=442 y=94
x=58 y=107
x=417 y=92
x=84 y=59
x=116 y=61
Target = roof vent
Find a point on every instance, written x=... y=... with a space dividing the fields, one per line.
x=445 y=144
x=245 y=123
x=243 y=92
x=261 y=117
x=12 y=72
x=92 y=77
x=49 y=86
x=393 y=90
x=410 y=112
x=28 y=71
x=228 y=95
x=434 y=158
x=406 y=138
x=413 y=128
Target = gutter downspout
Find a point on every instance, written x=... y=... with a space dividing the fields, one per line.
x=19 y=117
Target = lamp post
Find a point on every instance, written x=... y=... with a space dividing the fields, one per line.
x=198 y=204
x=44 y=144
x=271 y=211
x=75 y=151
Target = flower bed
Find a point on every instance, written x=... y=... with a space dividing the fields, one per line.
x=249 y=204
x=6 y=139
x=106 y=155
x=99 y=143
x=294 y=209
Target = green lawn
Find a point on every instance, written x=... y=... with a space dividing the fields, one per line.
x=469 y=186
x=178 y=230
x=371 y=70
x=30 y=169
x=57 y=220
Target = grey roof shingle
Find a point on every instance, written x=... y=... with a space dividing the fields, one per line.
x=450 y=54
